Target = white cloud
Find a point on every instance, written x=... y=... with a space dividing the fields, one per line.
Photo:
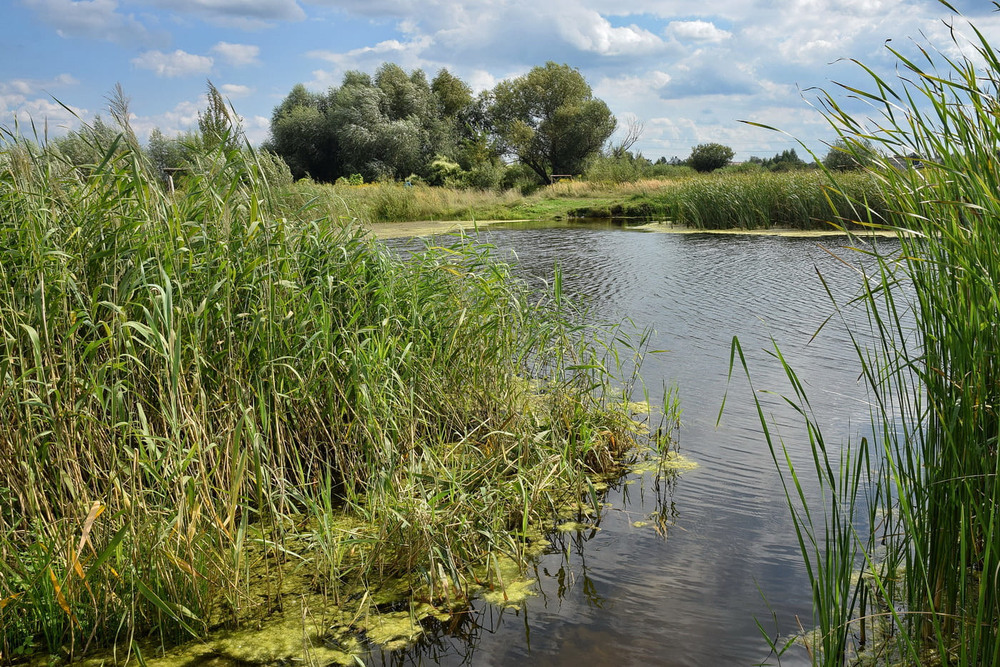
x=48 y=116
x=698 y=31
x=178 y=63
x=237 y=54
x=94 y=19
x=37 y=86
x=589 y=31
x=405 y=54
x=235 y=90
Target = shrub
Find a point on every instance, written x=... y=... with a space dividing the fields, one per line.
x=709 y=157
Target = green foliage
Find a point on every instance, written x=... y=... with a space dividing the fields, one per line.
x=549 y=120
x=198 y=386
x=787 y=160
x=395 y=124
x=169 y=155
x=763 y=200
x=622 y=167
x=442 y=171
x=88 y=146
x=843 y=156
x=926 y=534
x=218 y=123
x=452 y=95
x=709 y=157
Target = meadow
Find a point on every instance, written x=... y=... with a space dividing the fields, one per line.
x=212 y=392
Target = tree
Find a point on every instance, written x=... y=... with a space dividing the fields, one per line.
x=218 y=124
x=709 y=157
x=549 y=120
x=167 y=154
x=844 y=156
x=451 y=94
x=786 y=160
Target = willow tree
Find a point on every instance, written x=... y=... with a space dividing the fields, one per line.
x=549 y=120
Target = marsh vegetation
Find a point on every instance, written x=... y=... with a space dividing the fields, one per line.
x=904 y=553
x=209 y=389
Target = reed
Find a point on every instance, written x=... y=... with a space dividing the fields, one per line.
x=765 y=200
x=200 y=386
x=923 y=584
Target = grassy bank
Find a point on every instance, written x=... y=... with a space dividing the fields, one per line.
x=905 y=555
x=205 y=391
x=760 y=200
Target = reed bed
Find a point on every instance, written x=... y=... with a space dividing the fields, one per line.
x=765 y=200
x=201 y=389
x=905 y=553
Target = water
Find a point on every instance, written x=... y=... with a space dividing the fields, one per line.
x=720 y=549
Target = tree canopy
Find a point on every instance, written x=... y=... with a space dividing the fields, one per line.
x=395 y=124
x=549 y=120
x=709 y=157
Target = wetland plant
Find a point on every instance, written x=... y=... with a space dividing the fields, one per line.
x=904 y=552
x=209 y=391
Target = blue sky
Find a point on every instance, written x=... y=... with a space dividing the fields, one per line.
x=688 y=71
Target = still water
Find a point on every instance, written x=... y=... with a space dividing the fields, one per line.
x=718 y=551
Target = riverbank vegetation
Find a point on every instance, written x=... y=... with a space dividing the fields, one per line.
x=208 y=389
x=756 y=199
x=904 y=553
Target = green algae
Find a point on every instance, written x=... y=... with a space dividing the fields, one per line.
x=672 y=462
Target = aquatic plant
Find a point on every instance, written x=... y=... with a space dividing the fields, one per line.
x=206 y=390
x=766 y=200
x=904 y=553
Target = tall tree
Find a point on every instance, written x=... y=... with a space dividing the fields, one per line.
x=549 y=120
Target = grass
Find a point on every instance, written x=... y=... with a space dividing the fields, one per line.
x=207 y=390
x=761 y=200
x=905 y=552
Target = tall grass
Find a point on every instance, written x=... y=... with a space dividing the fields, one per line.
x=926 y=484
x=765 y=200
x=198 y=387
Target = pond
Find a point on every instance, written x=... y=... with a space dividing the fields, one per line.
x=681 y=571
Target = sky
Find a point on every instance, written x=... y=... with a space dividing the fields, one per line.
x=687 y=71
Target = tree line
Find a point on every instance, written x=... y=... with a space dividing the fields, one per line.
x=396 y=125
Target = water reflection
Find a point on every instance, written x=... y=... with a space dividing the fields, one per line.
x=685 y=588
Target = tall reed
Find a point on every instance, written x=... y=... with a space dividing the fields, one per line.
x=198 y=387
x=766 y=200
x=930 y=556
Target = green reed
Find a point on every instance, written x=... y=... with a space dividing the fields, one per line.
x=766 y=200
x=201 y=387
x=924 y=587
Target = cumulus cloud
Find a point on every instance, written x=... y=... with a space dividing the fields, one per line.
x=237 y=54
x=235 y=90
x=589 y=31
x=697 y=31
x=178 y=63
x=37 y=86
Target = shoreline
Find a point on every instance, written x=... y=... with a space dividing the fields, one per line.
x=392 y=230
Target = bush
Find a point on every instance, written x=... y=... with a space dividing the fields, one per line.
x=709 y=157
x=844 y=157
x=442 y=171
x=623 y=168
